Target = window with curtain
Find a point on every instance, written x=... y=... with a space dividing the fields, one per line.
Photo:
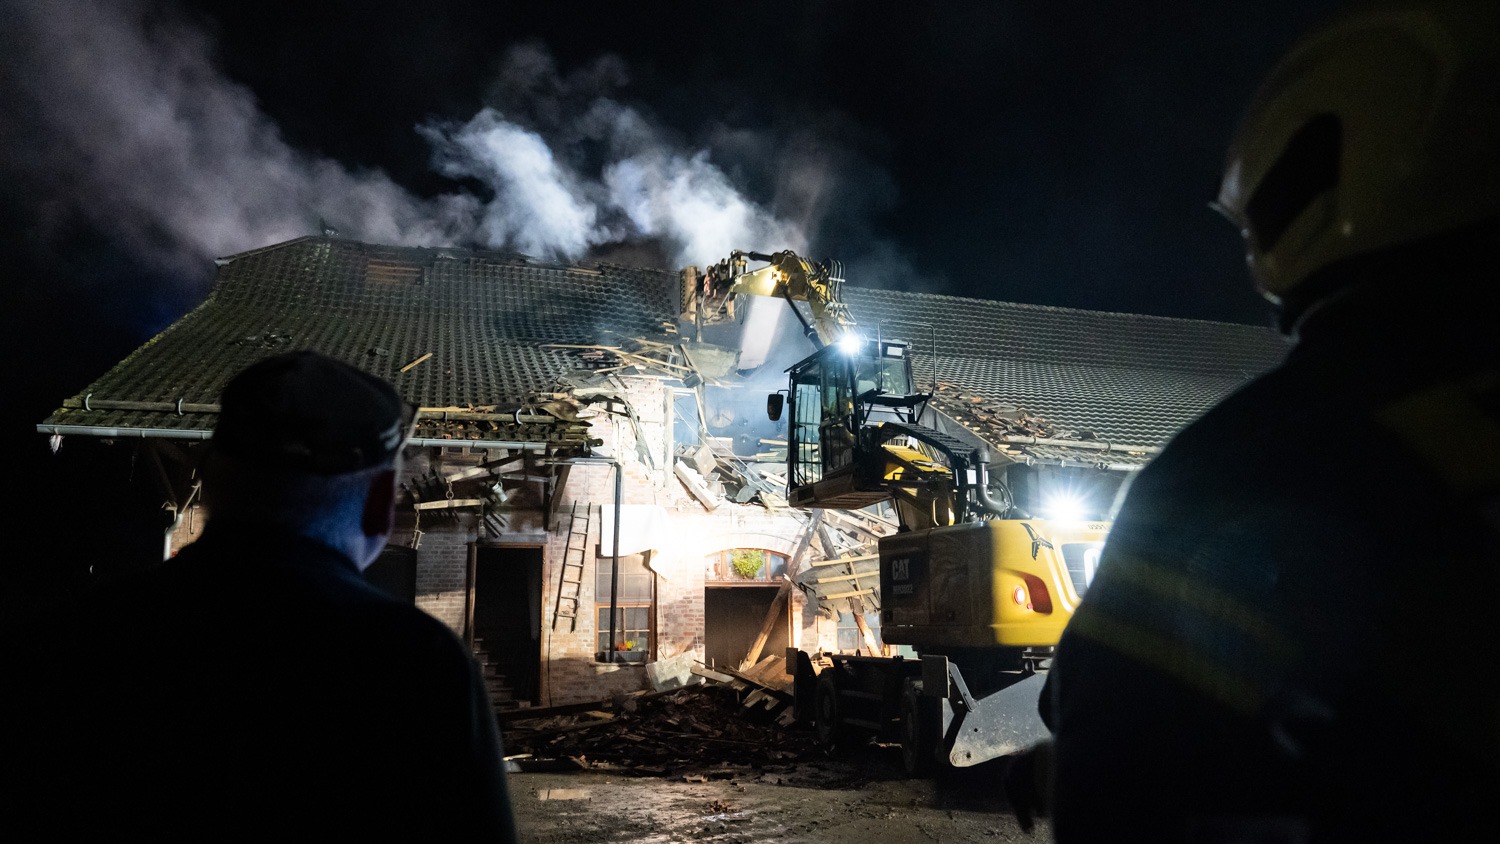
x=637 y=592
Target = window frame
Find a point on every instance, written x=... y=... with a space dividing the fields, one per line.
x=602 y=644
x=719 y=570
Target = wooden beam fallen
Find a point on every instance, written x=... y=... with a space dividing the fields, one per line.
x=864 y=631
x=772 y=614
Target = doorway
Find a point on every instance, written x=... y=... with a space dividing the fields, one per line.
x=505 y=621
x=732 y=619
x=394 y=572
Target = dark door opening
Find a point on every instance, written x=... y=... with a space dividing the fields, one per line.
x=506 y=621
x=732 y=619
x=394 y=572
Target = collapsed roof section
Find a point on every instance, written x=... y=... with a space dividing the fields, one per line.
x=490 y=345
x=464 y=335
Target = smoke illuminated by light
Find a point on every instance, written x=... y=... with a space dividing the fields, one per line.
x=179 y=164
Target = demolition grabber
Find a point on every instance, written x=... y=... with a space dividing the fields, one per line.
x=977 y=588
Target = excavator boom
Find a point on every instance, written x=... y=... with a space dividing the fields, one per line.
x=788 y=276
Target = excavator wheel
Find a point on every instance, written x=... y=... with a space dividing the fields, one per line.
x=832 y=733
x=921 y=732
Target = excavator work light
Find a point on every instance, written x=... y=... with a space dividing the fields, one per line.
x=851 y=344
x=1063 y=507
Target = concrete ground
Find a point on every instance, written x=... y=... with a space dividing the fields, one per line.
x=856 y=801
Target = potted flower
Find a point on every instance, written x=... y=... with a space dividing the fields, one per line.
x=628 y=652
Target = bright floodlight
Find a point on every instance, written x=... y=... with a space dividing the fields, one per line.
x=850 y=343
x=1067 y=508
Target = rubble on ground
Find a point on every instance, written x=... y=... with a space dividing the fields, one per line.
x=714 y=730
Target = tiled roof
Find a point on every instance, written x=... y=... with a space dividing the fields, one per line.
x=1126 y=378
x=486 y=317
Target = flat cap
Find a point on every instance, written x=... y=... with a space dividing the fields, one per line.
x=305 y=411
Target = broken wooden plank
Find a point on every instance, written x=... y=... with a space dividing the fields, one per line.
x=696 y=485
x=837 y=577
x=841 y=560
x=771 y=674
x=449 y=503
x=487 y=468
x=804 y=543
x=855 y=594
x=772 y=616
x=415 y=362
x=717 y=677
x=774 y=680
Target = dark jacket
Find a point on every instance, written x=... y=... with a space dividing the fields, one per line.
x=1290 y=632
x=256 y=685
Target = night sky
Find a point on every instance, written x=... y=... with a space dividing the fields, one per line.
x=1050 y=153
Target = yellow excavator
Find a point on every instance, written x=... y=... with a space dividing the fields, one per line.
x=978 y=590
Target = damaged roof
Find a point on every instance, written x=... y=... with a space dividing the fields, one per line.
x=464 y=329
x=449 y=328
x=1124 y=379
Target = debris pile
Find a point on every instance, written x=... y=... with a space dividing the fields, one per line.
x=1023 y=435
x=543 y=417
x=698 y=732
x=987 y=416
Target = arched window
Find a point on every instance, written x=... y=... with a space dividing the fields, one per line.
x=744 y=565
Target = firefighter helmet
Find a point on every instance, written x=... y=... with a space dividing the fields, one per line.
x=1376 y=132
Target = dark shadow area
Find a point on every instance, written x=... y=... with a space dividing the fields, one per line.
x=507 y=621
x=732 y=619
x=394 y=572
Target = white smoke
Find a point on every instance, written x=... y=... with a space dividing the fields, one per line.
x=691 y=203
x=538 y=207
x=137 y=131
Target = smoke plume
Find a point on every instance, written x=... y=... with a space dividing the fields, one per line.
x=118 y=116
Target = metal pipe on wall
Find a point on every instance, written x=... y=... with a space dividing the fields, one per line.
x=614 y=568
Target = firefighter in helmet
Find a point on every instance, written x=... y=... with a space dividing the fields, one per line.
x=1290 y=634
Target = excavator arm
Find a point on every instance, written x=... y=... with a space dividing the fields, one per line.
x=788 y=276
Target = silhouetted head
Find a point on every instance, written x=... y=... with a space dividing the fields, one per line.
x=310 y=444
x=1370 y=155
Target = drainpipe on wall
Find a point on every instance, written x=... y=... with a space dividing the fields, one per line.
x=614 y=566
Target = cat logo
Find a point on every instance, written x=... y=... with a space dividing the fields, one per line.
x=901 y=568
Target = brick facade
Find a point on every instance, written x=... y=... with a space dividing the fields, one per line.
x=570 y=671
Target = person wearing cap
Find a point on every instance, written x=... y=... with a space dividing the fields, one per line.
x=1290 y=635
x=255 y=685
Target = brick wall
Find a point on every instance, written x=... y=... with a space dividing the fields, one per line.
x=570 y=671
x=443 y=569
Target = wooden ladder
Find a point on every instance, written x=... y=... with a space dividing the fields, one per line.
x=571 y=581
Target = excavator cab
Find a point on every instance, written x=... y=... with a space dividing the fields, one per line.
x=834 y=396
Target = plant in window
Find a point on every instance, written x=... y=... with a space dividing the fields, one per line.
x=747 y=562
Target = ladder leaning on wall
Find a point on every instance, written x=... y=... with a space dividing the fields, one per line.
x=570 y=582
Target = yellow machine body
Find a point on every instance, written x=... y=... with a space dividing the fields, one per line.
x=1003 y=582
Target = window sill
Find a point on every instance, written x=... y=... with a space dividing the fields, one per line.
x=611 y=667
